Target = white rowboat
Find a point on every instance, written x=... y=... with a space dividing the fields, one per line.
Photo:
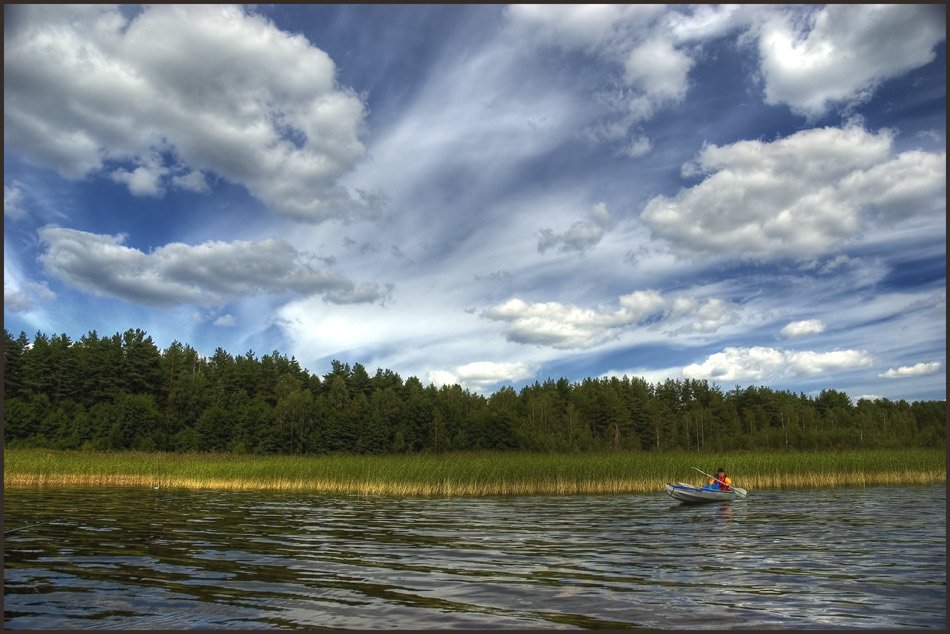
x=689 y=494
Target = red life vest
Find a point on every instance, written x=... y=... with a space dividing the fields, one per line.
x=724 y=485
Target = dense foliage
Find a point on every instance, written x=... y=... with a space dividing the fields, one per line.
x=122 y=392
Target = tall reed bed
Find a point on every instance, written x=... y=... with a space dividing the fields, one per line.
x=470 y=474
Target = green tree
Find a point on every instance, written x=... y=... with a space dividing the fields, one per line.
x=293 y=415
x=133 y=422
x=100 y=362
x=23 y=416
x=504 y=410
x=38 y=370
x=214 y=429
x=386 y=412
x=141 y=366
x=13 y=351
x=252 y=425
x=415 y=429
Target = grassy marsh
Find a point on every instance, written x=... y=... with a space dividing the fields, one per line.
x=470 y=474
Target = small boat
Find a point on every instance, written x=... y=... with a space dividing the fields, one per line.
x=689 y=494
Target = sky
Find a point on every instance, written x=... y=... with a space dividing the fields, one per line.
x=490 y=195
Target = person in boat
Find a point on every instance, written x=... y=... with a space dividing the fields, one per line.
x=722 y=481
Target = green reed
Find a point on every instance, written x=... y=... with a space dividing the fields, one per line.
x=484 y=473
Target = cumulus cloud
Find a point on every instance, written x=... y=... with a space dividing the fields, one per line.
x=919 y=369
x=844 y=52
x=480 y=375
x=659 y=70
x=700 y=316
x=160 y=99
x=13 y=202
x=565 y=326
x=582 y=235
x=799 y=196
x=226 y=321
x=178 y=273
x=146 y=179
x=803 y=328
x=25 y=298
x=760 y=363
x=193 y=181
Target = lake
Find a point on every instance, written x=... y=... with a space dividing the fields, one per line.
x=182 y=559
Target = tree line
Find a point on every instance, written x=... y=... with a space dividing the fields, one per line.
x=123 y=392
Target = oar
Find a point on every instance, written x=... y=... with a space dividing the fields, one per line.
x=22 y=528
x=739 y=490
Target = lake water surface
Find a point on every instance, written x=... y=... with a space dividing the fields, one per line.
x=177 y=559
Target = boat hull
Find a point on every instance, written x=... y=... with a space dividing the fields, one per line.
x=697 y=495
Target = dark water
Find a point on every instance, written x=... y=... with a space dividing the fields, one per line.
x=142 y=558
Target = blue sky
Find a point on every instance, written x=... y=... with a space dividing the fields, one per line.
x=487 y=194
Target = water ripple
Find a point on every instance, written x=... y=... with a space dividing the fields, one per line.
x=127 y=559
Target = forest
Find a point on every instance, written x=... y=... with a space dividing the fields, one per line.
x=123 y=392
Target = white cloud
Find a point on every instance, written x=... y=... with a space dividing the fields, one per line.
x=845 y=52
x=197 y=88
x=640 y=146
x=13 y=202
x=16 y=301
x=480 y=375
x=582 y=235
x=182 y=274
x=192 y=181
x=144 y=180
x=798 y=197
x=701 y=317
x=803 y=328
x=565 y=326
x=653 y=376
x=919 y=369
x=226 y=321
x=760 y=363
x=810 y=58
x=706 y=22
x=24 y=298
x=658 y=70
x=590 y=27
